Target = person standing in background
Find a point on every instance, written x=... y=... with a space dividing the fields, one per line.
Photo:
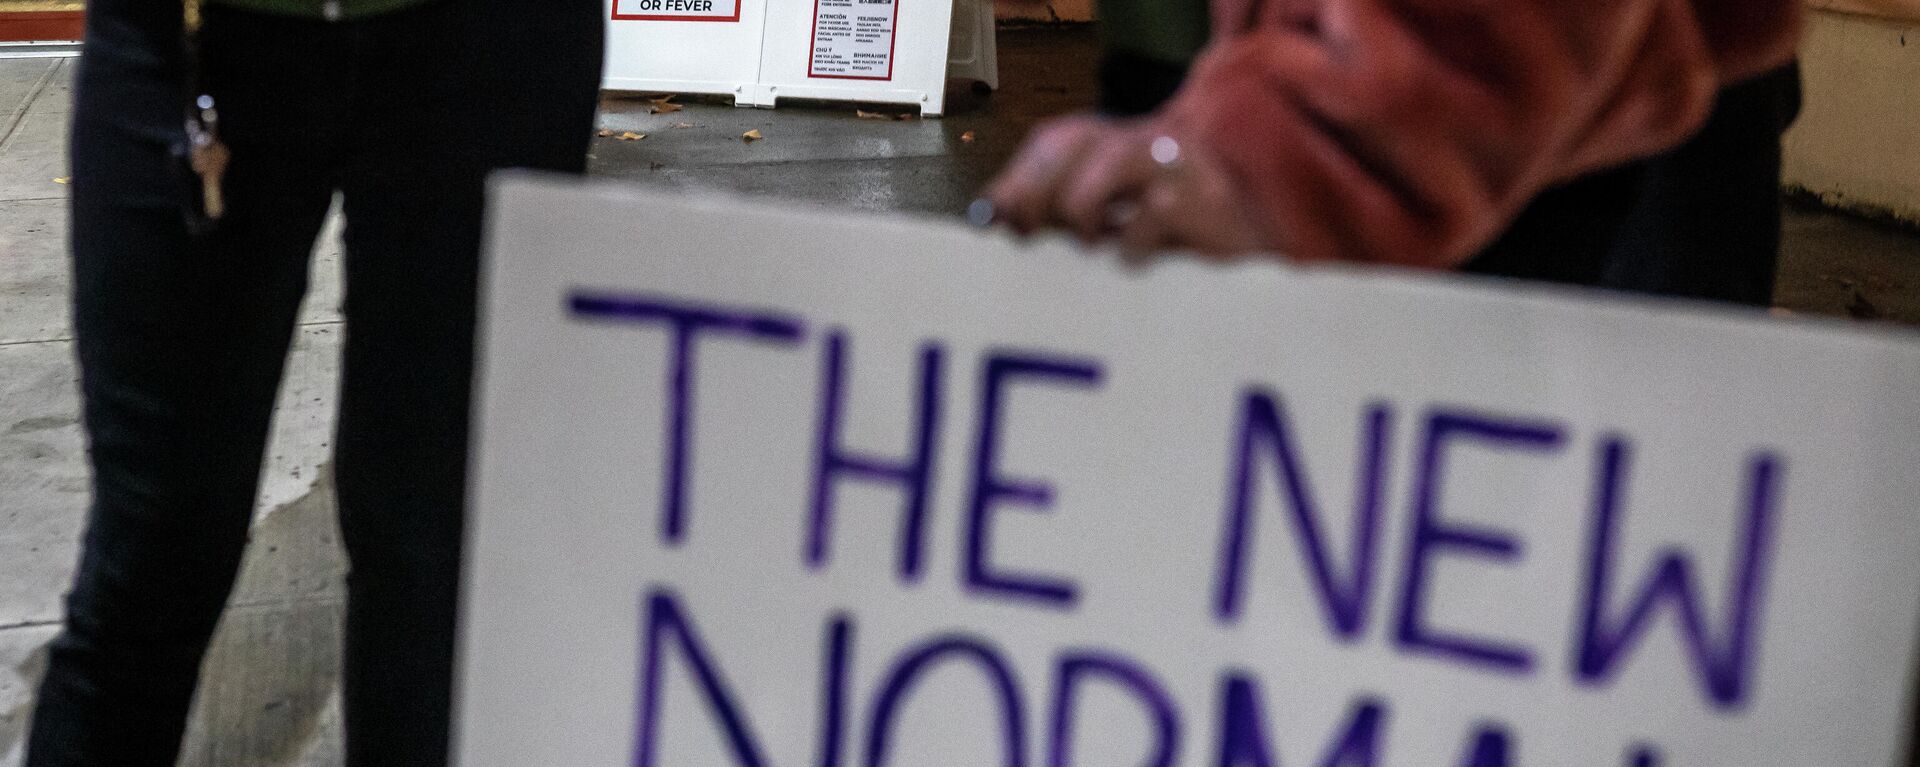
x=1632 y=145
x=202 y=173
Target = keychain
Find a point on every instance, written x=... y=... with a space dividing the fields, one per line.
x=207 y=155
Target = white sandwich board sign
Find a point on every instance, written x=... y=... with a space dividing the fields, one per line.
x=792 y=488
x=760 y=51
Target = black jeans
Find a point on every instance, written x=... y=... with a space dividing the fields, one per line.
x=182 y=339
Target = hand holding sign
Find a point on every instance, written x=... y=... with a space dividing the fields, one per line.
x=1107 y=180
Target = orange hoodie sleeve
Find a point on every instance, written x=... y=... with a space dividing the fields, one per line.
x=1414 y=131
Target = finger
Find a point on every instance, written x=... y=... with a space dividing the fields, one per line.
x=1201 y=209
x=1117 y=167
x=1143 y=238
x=1022 y=194
x=1013 y=190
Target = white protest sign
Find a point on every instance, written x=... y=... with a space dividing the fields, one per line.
x=794 y=488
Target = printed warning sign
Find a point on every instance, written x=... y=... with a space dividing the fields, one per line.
x=676 y=10
x=853 y=39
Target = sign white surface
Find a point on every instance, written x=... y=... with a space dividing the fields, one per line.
x=748 y=495
x=907 y=64
x=676 y=10
x=767 y=50
x=650 y=49
x=853 y=39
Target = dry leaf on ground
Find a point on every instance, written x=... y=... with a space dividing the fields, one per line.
x=966 y=138
x=605 y=133
x=866 y=115
x=663 y=105
x=63 y=180
x=1862 y=309
x=631 y=136
x=752 y=135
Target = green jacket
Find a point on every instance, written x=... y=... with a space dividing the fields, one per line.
x=1172 y=31
x=322 y=9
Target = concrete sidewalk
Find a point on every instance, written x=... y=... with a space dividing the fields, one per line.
x=269 y=696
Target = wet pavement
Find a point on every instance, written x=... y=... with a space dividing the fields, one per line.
x=269 y=695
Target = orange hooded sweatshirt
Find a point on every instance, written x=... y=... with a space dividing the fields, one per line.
x=1413 y=131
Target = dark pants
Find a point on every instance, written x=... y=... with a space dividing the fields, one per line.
x=182 y=339
x=1701 y=221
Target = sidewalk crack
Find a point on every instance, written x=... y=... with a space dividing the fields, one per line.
x=20 y=112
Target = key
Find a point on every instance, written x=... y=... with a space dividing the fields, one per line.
x=210 y=164
x=209 y=158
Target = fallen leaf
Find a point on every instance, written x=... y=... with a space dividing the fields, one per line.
x=866 y=115
x=605 y=133
x=966 y=138
x=1862 y=309
x=905 y=116
x=683 y=125
x=63 y=180
x=663 y=105
x=631 y=136
x=752 y=135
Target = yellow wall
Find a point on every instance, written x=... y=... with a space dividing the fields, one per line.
x=1892 y=9
x=1857 y=144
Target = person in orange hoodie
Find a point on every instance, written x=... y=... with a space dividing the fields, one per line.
x=1408 y=132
